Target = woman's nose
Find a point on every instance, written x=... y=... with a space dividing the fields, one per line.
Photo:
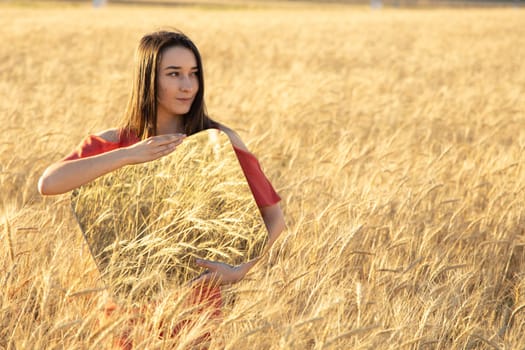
x=186 y=84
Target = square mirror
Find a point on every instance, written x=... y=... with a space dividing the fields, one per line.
x=145 y=224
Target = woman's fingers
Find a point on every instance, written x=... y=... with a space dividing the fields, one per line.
x=168 y=138
x=206 y=278
x=161 y=145
x=211 y=275
x=154 y=147
x=218 y=272
x=208 y=264
x=165 y=149
x=164 y=139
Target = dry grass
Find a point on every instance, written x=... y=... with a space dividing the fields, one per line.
x=395 y=139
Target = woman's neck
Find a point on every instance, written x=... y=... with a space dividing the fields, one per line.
x=171 y=125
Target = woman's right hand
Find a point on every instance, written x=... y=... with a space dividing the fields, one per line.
x=153 y=147
x=64 y=176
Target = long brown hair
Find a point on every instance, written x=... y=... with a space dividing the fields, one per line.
x=141 y=112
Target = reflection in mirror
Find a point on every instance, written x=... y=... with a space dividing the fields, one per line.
x=146 y=224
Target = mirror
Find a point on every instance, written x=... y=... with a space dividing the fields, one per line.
x=146 y=224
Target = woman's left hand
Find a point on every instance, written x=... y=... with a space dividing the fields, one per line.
x=219 y=273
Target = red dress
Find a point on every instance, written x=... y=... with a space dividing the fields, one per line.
x=262 y=190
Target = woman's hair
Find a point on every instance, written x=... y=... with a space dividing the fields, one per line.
x=141 y=112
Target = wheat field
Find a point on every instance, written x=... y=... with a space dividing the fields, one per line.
x=394 y=137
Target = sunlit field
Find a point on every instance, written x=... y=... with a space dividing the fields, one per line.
x=394 y=137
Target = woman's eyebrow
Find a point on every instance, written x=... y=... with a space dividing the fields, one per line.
x=178 y=67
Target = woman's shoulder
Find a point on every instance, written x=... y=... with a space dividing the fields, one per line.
x=233 y=136
x=96 y=143
x=110 y=135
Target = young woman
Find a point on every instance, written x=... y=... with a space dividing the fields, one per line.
x=166 y=105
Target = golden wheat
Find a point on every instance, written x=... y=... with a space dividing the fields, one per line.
x=394 y=137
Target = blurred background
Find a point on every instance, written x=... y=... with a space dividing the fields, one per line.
x=372 y=3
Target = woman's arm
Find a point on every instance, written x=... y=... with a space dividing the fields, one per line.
x=221 y=273
x=274 y=220
x=64 y=176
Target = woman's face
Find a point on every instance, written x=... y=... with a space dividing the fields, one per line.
x=177 y=81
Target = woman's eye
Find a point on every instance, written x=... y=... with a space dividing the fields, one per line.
x=178 y=74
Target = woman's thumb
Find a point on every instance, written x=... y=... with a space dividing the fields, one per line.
x=204 y=263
